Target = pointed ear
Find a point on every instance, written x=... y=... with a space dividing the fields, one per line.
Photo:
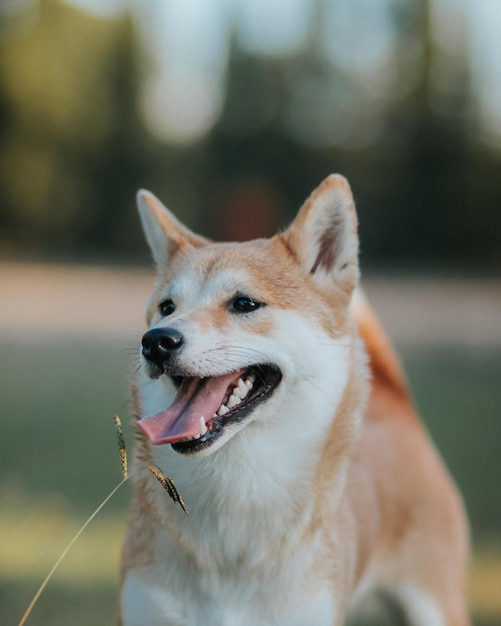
x=164 y=233
x=324 y=235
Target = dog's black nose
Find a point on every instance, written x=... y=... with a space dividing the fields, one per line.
x=159 y=343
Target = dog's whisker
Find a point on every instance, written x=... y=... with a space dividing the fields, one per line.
x=131 y=352
x=311 y=381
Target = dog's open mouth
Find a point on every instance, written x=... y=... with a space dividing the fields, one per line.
x=203 y=407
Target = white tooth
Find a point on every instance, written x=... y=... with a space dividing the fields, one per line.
x=223 y=409
x=241 y=391
x=248 y=384
x=233 y=401
x=203 y=427
x=243 y=388
x=251 y=378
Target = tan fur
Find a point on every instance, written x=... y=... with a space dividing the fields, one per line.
x=384 y=512
x=420 y=511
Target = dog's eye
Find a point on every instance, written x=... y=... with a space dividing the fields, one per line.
x=167 y=307
x=244 y=304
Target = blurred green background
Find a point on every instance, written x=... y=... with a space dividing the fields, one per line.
x=232 y=112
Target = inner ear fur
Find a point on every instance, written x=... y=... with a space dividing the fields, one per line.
x=324 y=237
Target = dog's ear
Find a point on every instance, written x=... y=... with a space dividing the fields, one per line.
x=164 y=233
x=324 y=234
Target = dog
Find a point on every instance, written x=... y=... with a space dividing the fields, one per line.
x=269 y=393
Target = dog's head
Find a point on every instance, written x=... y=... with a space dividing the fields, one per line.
x=239 y=329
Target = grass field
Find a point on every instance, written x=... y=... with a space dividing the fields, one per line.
x=58 y=460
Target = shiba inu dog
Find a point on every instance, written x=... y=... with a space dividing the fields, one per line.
x=269 y=393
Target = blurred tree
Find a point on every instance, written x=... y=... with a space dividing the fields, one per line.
x=429 y=190
x=414 y=180
x=69 y=132
x=73 y=149
x=251 y=141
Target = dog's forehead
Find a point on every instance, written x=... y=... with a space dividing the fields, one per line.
x=203 y=282
x=222 y=267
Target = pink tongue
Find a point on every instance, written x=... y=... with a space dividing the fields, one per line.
x=196 y=397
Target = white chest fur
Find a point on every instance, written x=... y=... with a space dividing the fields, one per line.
x=258 y=603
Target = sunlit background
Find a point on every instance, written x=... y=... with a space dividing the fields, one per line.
x=232 y=111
